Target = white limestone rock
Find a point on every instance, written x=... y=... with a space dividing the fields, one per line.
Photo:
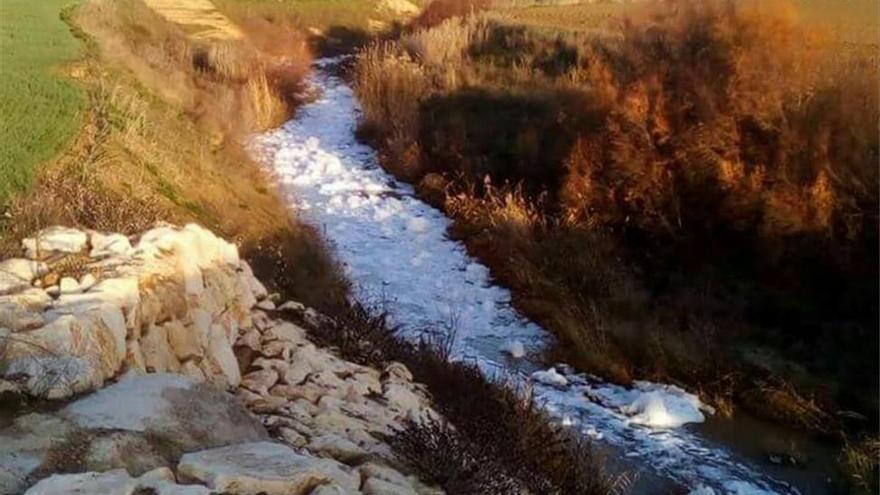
x=336 y=447
x=185 y=342
x=221 y=365
x=266 y=305
x=16 y=274
x=55 y=239
x=69 y=285
x=260 y=381
x=257 y=288
x=294 y=306
x=109 y=244
x=263 y=467
x=115 y=482
x=24 y=310
x=158 y=355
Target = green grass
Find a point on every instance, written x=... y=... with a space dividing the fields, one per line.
x=39 y=109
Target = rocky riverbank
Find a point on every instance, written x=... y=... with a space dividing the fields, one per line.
x=176 y=373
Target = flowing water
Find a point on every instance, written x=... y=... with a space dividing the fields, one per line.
x=395 y=249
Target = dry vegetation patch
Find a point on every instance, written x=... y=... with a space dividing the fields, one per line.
x=673 y=200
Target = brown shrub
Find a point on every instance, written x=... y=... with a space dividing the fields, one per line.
x=720 y=156
x=861 y=464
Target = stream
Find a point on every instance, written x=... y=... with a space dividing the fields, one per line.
x=396 y=251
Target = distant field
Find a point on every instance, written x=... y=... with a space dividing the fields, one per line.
x=854 y=21
x=39 y=108
x=324 y=14
x=576 y=17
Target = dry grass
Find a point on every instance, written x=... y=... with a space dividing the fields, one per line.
x=861 y=463
x=664 y=198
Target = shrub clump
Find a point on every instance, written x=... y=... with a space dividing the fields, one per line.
x=706 y=174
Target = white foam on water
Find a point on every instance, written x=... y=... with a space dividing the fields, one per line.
x=396 y=251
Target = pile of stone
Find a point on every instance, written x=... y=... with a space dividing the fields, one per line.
x=164 y=316
x=82 y=306
x=314 y=399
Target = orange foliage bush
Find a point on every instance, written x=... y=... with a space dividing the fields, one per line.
x=723 y=116
x=726 y=153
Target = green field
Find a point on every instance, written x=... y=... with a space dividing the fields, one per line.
x=39 y=109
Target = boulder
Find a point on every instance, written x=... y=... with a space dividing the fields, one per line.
x=117 y=482
x=264 y=467
x=140 y=423
x=55 y=239
x=24 y=310
x=260 y=381
x=109 y=244
x=336 y=447
x=158 y=356
x=17 y=274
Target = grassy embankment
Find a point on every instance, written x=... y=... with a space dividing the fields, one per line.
x=160 y=137
x=167 y=108
x=686 y=194
x=40 y=110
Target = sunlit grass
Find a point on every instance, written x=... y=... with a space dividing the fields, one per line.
x=39 y=108
x=319 y=14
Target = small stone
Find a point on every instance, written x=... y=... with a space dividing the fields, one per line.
x=337 y=447
x=69 y=285
x=266 y=305
x=103 y=245
x=250 y=339
x=192 y=370
x=330 y=489
x=292 y=437
x=515 y=348
x=402 y=398
x=376 y=486
x=261 y=320
x=23 y=268
x=294 y=306
x=58 y=239
x=293 y=392
x=257 y=288
x=396 y=372
x=550 y=377
x=260 y=381
x=158 y=356
x=279 y=349
x=286 y=332
x=86 y=282
x=278 y=365
x=10 y=284
x=264 y=467
x=186 y=342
